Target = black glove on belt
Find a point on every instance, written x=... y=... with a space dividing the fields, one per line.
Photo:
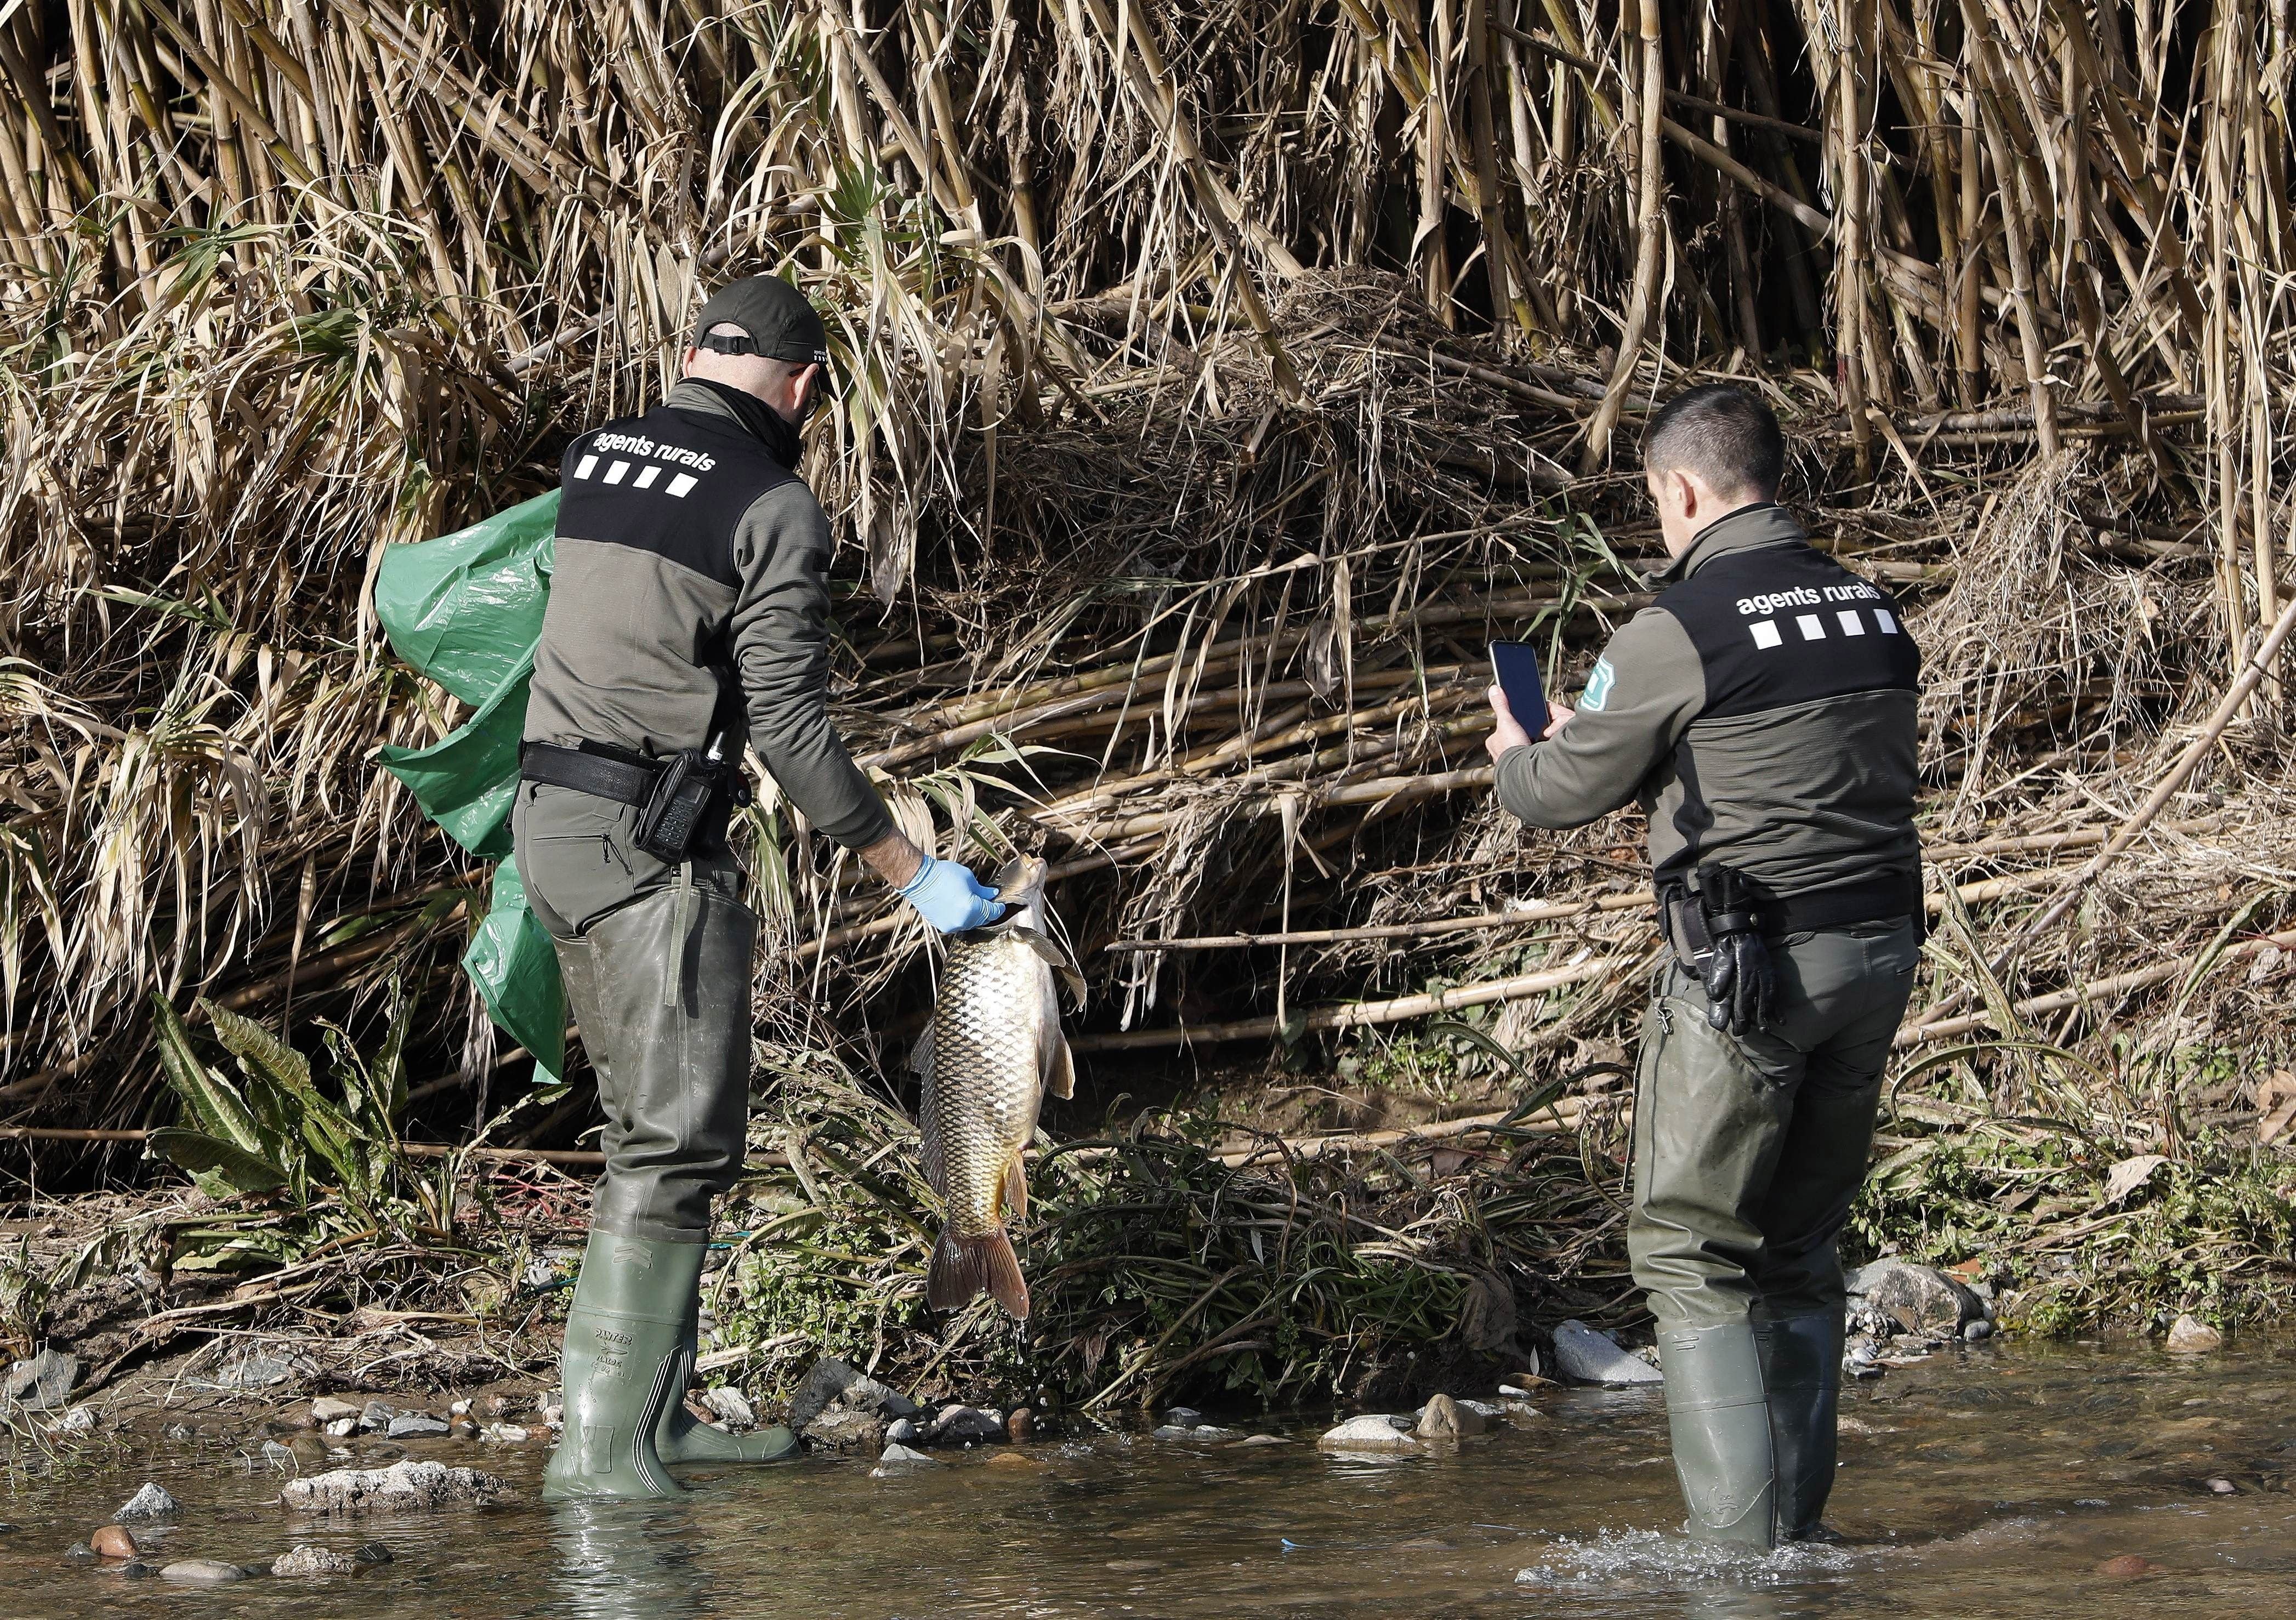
x=1742 y=986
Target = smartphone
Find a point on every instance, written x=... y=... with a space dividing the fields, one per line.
x=1516 y=664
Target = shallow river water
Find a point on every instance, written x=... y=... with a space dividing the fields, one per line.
x=1994 y=1481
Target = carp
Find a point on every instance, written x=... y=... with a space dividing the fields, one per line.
x=992 y=1050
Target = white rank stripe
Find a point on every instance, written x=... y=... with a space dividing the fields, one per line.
x=616 y=473
x=682 y=483
x=582 y=468
x=1812 y=629
x=1765 y=632
x=644 y=480
x=1882 y=617
x=1851 y=625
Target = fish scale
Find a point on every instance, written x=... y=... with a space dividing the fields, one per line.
x=993 y=1048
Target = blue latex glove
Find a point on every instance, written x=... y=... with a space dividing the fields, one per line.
x=947 y=895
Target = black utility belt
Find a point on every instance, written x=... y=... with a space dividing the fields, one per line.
x=1875 y=899
x=682 y=799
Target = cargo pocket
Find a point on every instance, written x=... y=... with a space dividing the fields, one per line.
x=574 y=853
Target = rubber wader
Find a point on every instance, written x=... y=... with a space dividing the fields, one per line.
x=656 y=960
x=1718 y=1418
x=628 y=1354
x=1801 y=1372
x=1748 y=1153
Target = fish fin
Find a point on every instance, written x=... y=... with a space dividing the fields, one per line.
x=1050 y=949
x=1016 y=1189
x=928 y=1153
x=921 y=1055
x=1059 y=1068
x=965 y=1268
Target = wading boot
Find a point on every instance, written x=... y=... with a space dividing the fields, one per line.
x=624 y=1364
x=1719 y=1422
x=1801 y=1371
x=682 y=1437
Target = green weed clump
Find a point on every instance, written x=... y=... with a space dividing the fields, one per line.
x=1156 y=1270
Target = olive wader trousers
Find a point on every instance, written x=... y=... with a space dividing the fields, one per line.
x=1748 y=1152
x=657 y=961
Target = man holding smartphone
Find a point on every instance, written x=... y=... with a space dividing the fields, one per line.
x=1762 y=713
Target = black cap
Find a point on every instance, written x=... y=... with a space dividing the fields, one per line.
x=782 y=323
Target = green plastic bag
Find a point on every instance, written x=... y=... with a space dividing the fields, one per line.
x=515 y=967
x=466 y=610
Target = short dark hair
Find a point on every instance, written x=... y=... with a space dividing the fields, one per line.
x=1723 y=433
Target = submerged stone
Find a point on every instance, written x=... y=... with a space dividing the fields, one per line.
x=201 y=1571
x=314 y=1561
x=1372 y=1432
x=402 y=1487
x=149 y=1503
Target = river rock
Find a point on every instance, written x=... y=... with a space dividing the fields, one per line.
x=841 y=1429
x=506 y=1433
x=1020 y=1425
x=376 y=1415
x=201 y=1571
x=113 y=1542
x=253 y=1369
x=1372 y=1432
x=149 y=1503
x=1184 y=1417
x=80 y=1552
x=2190 y=1336
x=728 y=1404
x=831 y=1380
x=1444 y=1419
x=333 y=1409
x=1917 y=1298
x=416 y=1426
x=957 y=1425
x=1587 y=1357
x=2126 y=1566
x=402 y=1487
x=342 y=1428
x=1173 y=1431
x=1257 y=1440
x=314 y=1561
x=373 y=1552
x=462 y=1428
x=136 y=1569
x=897 y=1460
x=42 y=1382
x=276 y=1455
x=78 y=1420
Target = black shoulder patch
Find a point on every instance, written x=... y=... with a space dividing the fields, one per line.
x=665 y=483
x=1785 y=625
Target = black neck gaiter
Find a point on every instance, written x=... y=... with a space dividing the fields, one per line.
x=764 y=423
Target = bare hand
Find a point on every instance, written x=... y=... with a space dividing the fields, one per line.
x=1507 y=732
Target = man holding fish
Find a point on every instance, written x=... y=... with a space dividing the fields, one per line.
x=1761 y=711
x=687 y=615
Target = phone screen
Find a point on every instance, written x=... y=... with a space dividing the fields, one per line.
x=1517 y=666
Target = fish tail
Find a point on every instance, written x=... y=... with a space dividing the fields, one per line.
x=965 y=1268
